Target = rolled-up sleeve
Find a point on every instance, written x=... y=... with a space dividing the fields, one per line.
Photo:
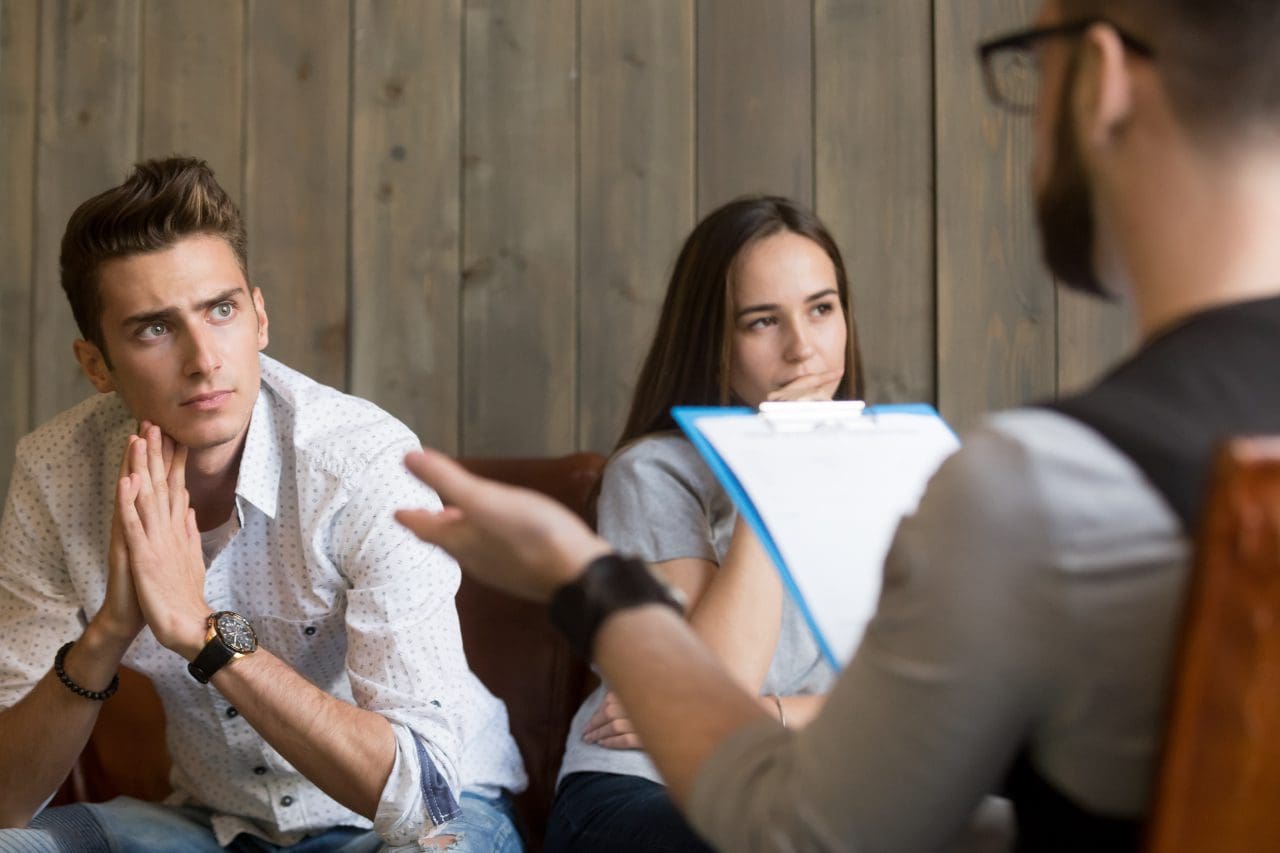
x=405 y=659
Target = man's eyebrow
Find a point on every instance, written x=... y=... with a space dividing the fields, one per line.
x=752 y=309
x=169 y=313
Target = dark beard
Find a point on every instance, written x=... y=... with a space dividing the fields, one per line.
x=1064 y=209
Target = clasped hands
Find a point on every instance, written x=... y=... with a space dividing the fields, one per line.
x=155 y=565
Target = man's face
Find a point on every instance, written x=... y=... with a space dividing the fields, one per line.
x=1064 y=198
x=183 y=333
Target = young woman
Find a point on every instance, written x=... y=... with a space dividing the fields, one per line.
x=757 y=309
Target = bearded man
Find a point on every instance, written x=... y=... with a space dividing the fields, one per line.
x=1025 y=636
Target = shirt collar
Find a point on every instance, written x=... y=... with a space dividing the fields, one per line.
x=258 y=481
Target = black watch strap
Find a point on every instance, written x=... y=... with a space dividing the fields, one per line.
x=213 y=657
x=609 y=583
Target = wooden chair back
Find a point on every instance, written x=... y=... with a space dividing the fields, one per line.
x=1220 y=775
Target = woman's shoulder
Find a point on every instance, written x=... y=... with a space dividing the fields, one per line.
x=660 y=501
x=663 y=446
x=661 y=457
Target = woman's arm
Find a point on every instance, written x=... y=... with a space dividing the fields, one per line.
x=797 y=710
x=735 y=609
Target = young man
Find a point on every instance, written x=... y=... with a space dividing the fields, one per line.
x=223 y=524
x=1026 y=628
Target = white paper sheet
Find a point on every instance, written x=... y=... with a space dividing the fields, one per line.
x=830 y=492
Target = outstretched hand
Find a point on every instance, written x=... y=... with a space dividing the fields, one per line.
x=514 y=539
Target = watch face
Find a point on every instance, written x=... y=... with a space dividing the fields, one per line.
x=234 y=630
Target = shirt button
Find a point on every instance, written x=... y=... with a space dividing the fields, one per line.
x=258 y=771
x=286 y=801
x=232 y=712
x=310 y=630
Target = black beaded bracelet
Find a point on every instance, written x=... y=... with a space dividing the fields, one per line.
x=96 y=695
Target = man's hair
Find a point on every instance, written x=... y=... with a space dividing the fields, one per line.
x=160 y=203
x=1218 y=58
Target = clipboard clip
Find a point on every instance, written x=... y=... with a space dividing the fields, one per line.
x=807 y=415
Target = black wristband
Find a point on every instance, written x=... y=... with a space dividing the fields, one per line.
x=96 y=695
x=609 y=583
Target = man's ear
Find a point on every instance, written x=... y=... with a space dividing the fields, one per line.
x=94 y=365
x=1103 y=100
x=260 y=308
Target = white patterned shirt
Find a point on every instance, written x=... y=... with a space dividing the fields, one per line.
x=331 y=583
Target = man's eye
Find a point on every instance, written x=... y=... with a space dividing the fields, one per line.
x=153 y=330
x=223 y=310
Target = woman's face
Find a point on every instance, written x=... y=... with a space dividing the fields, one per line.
x=789 y=330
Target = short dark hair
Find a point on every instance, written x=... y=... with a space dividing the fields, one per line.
x=160 y=203
x=688 y=362
x=1218 y=58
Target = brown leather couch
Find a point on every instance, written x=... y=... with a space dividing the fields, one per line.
x=509 y=643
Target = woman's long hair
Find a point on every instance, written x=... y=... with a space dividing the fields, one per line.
x=688 y=362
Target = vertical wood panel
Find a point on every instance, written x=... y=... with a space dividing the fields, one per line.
x=755 y=100
x=193 y=85
x=534 y=349
x=519 y=256
x=1092 y=336
x=406 y=194
x=637 y=193
x=996 y=323
x=296 y=174
x=19 y=33
x=88 y=139
x=875 y=179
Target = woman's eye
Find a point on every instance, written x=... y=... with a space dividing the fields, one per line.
x=223 y=310
x=761 y=322
x=823 y=308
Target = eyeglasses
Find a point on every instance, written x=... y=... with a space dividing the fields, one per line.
x=1011 y=66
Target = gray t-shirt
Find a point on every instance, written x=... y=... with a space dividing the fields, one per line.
x=1032 y=599
x=659 y=501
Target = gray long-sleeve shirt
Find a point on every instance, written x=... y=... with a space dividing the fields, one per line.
x=1033 y=599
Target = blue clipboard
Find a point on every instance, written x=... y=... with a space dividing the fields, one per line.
x=687 y=418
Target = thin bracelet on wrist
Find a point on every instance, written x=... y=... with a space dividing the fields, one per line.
x=782 y=715
x=96 y=695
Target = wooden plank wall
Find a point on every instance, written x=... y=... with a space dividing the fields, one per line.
x=465 y=210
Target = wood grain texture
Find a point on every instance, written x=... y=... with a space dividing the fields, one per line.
x=445 y=220
x=755 y=100
x=19 y=31
x=296 y=175
x=87 y=142
x=873 y=62
x=406 y=212
x=519 y=312
x=1093 y=335
x=193 y=85
x=996 y=324
x=637 y=185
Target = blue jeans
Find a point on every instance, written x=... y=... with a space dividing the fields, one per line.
x=620 y=814
x=125 y=825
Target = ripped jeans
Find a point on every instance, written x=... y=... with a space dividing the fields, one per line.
x=126 y=824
